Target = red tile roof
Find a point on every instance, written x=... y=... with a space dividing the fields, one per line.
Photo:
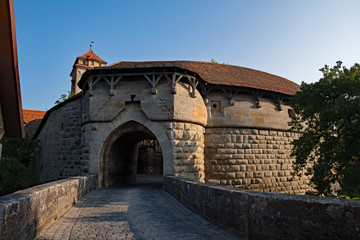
x=91 y=55
x=30 y=115
x=223 y=74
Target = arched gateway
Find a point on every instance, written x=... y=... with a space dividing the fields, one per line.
x=118 y=117
x=129 y=150
x=210 y=122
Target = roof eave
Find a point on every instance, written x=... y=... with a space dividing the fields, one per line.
x=97 y=70
x=10 y=96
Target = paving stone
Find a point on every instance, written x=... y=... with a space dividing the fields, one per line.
x=137 y=211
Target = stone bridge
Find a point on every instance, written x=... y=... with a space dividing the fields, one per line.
x=136 y=211
x=151 y=210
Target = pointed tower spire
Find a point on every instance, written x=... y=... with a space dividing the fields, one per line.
x=82 y=63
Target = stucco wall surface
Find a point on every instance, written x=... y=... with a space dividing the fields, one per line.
x=254 y=215
x=27 y=213
x=242 y=111
x=103 y=104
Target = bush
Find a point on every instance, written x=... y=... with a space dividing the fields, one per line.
x=19 y=148
x=14 y=175
x=16 y=164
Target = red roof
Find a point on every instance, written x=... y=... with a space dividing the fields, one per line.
x=30 y=115
x=223 y=74
x=91 y=55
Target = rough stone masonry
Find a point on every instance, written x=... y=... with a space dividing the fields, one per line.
x=212 y=122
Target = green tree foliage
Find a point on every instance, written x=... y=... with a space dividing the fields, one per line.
x=20 y=149
x=13 y=175
x=16 y=164
x=328 y=115
x=216 y=62
x=64 y=97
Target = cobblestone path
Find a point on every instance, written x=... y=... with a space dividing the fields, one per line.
x=138 y=211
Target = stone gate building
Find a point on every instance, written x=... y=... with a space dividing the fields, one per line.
x=210 y=122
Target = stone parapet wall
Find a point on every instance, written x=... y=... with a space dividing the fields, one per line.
x=242 y=111
x=254 y=215
x=27 y=213
x=188 y=149
x=98 y=105
x=252 y=158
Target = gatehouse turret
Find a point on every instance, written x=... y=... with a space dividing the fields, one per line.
x=82 y=63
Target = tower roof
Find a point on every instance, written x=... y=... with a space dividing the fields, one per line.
x=91 y=55
x=84 y=61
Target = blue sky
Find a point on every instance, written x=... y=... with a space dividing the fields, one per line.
x=292 y=39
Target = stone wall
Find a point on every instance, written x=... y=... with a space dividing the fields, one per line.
x=254 y=215
x=238 y=138
x=175 y=119
x=27 y=213
x=248 y=144
x=242 y=111
x=188 y=149
x=252 y=158
x=60 y=143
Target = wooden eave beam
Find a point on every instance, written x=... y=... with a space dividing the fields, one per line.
x=10 y=96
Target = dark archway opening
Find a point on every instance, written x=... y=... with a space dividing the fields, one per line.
x=135 y=156
x=149 y=157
